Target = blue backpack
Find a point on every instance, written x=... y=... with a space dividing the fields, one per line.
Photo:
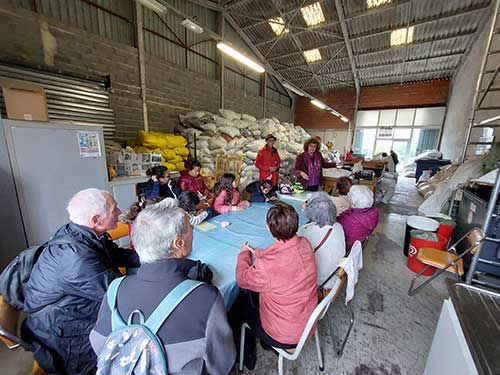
x=135 y=348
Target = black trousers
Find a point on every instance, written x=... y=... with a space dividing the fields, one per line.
x=246 y=310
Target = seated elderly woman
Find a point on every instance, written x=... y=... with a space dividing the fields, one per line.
x=325 y=235
x=360 y=221
x=283 y=277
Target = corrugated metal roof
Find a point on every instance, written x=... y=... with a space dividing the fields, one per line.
x=443 y=32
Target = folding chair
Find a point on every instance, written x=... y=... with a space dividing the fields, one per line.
x=293 y=354
x=336 y=290
x=9 y=318
x=447 y=260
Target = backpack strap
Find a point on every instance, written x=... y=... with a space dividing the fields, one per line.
x=116 y=319
x=169 y=303
x=323 y=240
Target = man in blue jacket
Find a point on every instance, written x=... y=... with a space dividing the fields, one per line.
x=68 y=282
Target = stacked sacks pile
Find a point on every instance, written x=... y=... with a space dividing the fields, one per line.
x=233 y=133
x=171 y=147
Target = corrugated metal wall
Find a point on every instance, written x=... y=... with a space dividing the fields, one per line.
x=164 y=36
x=68 y=99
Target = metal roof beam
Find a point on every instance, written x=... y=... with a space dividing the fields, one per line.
x=270 y=58
x=383 y=49
x=409 y=74
x=207 y=4
x=345 y=32
x=432 y=20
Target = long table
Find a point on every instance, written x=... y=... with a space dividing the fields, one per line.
x=219 y=247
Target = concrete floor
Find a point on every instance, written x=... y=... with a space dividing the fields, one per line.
x=392 y=333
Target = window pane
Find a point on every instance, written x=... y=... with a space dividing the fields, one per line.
x=363 y=141
x=405 y=117
x=429 y=116
x=400 y=147
x=383 y=145
x=385 y=132
x=367 y=118
x=402 y=133
x=387 y=117
x=423 y=140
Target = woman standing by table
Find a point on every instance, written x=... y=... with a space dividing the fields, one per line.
x=309 y=165
x=268 y=161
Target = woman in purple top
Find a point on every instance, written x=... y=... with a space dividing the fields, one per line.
x=309 y=165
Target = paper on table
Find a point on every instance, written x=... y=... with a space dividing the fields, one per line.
x=206 y=226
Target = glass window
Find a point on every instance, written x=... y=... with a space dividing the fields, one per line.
x=367 y=118
x=402 y=133
x=405 y=117
x=383 y=145
x=423 y=140
x=387 y=117
x=429 y=116
x=364 y=140
x=385 y=132
x=400 y=147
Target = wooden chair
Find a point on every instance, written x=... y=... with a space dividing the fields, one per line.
x=447 y=260
x=228 y=164
x=9 y=318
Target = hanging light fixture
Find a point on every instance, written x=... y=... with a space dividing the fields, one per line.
x=154 y=5
x=240 y=57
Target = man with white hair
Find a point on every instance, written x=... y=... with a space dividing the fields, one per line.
x=196 y=336
x=68 y=281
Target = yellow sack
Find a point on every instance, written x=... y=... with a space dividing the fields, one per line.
x=170 y=166
x=152 y=139
x=182 y=151
x=175 y=160
x=142 y=150
x=174 y=141
x=180 y=166
x=168 y=154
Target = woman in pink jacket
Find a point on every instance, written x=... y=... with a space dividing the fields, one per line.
x=284 y=276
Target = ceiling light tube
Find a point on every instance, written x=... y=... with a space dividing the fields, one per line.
x=240 y=57
x=343 y=118
x=193 y=26
x=154 y=5
x=318 y=104
x=293 y=89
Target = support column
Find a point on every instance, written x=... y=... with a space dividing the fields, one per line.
x=263 y=93
x=142 y=65
x=221 y=21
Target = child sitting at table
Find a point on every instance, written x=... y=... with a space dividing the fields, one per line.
x=134 y=210
x=261 y=191
x=227 y=195
x=189 y=202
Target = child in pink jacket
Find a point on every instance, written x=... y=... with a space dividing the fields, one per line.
x=285 y=277
x=227 y=195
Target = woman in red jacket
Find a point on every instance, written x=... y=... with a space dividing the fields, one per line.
x=268 y=161
x=284 y=276
x=191 y=180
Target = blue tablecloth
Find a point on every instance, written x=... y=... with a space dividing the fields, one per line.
x=219 y=247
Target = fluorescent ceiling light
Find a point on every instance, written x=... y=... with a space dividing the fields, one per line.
x=343 y=118
x=312 y=55
x=240 y=57
x=193 y=26
x=278 y=25
x=402 y=36
x=376 y=3
x=293 y=89
x=313 y=14
x=318 y=104
x=154 y=5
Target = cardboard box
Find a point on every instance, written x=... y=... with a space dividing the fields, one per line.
x=24 y=101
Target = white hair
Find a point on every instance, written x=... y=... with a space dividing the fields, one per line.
x=360 y=196
x=155 y=229
x=320 y=209
x=86 y=204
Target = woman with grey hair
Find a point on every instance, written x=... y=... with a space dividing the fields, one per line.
x=324 y=233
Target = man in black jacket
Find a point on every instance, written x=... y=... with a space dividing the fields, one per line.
x=68 y=281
